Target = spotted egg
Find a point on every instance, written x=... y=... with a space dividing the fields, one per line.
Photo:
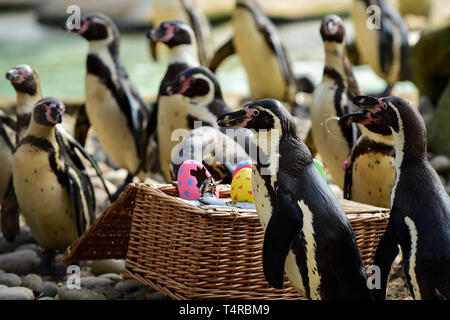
x=241 y=186
x=321 y=168
x=191 y=174
x=241 y=165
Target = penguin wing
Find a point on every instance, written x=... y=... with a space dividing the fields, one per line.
x=10 y=213
x=82 y=126
x=9 y=122
x=226 y=50
x=152 y=45
x=70 y=145
x=284 y=225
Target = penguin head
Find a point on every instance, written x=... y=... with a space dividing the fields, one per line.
x=48 y=111
x=98 y=28
x=261 y=115
x=198 y=84
x=172 y=33
x=332 y=30
x=24 y=79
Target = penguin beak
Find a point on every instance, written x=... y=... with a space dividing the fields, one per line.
x=234 y=119
x=366 y=102
x=357 y=117
x=369 y=105
x=155 y=34
x=172 y=87
x=12 y=74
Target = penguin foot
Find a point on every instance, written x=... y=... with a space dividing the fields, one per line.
x=46 y=268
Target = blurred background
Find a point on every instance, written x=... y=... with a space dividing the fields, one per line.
x=30 y=33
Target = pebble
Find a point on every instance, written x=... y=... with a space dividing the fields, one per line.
x=10 y=280
x=48 y=289
x=46 y=298
x=144 y=293
x=25 y=236
x=109 y=292
x=112 y=276
x=32 y=281
x=99 y=267
x=65 y=293
x=93 y=282
x=128 y=285
x=20 y=262
x=441 y=164
x=30 y=246
x=15 y=293
x=2 y=271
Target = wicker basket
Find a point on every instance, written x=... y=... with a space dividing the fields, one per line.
x=190 y=253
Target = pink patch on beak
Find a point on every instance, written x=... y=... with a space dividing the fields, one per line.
x=170 y=30
x=84 y=26
x=382 y=103
x=185 y=85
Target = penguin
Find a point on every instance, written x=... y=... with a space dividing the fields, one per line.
x=6 y=151
x=420 y=215
x=53 y=191
x=384 y=48
x=25 y=81
x=204 y=104
x=170 y=110
x=370 y=170
x=126 y=131
x=218 y=152
x=188 y=11
x=306 y=232
x=331 y=99
x=261 y=52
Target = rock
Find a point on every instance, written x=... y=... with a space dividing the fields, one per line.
x=10 y=280
x=29 y=246
x=65 y=293
x=19 y=262
x=48 y=289
x=46 y=298
x=112 y=276
x=157 y=296
x=16 y=293
x=2 y=271
x=109 y=292
x=32 y=281
x=93 y=282
x=99 y=267
x=441 y=164
x=431 y=75
x=438 y=129
x=25 y=236
x=128 y=285
x=144 y=293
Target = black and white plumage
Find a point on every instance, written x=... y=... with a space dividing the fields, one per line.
x=170 y=110
x=256 y=41
x=189 y=12
x=6 y=151
x=306 y=232
x=53 y=190
x=331 y=99
x=385 y=49
x=121 y=119
x=420 y=215
x=370 y=170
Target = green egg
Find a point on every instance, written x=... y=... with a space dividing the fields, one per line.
x=321 y=168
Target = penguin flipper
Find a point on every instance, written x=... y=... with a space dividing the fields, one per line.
x=10 y=213
x=82 y=126
x=385 y=254
x=152 y=45
x=284 y=224
x=221 y=54
x=348 y=167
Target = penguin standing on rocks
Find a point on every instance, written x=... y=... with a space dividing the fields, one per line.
x=370 y=170
x=331 y=99
x=184 y=10
x=306 y=232
x=6 y=151
x=262 y=54
x=170 y=110
x=53 y=190
x=384 y=44
x=420 y=215
x=118 y=114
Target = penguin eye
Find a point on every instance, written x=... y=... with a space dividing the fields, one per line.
x=255 y=112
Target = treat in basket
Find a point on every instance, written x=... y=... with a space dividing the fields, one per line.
x=241 y=186
x=191 y=175
x=321 y=168
x=241 y=165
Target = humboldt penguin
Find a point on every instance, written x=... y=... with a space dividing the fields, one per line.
x=331 y=99
x=53 y=191
x=381 y=38
x=188 y=11
x=262 y=54
x=6 y=151
x=306 y=232
x=420 y=215
x=121 y=119
x=369 y=170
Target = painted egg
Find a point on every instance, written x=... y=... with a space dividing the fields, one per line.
x=191 y=174
x=242 y=164
x=241 y=186
x=321 y=168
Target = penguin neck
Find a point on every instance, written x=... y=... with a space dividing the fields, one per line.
x=26 y=102
x=376 y=137
x=268 y=156
x=334 y=62
x=108 y=54
x=184 y=53
x=41 y=131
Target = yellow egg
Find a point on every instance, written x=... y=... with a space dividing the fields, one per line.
x=241 y=186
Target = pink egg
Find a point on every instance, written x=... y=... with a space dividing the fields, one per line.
x=187 y=182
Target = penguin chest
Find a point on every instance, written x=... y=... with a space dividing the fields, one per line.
x=110 y=125
x=6 y=158
x=373 y=175
x=44 y=202
x=328 y=138
x=261 y=63
x=172 y=115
